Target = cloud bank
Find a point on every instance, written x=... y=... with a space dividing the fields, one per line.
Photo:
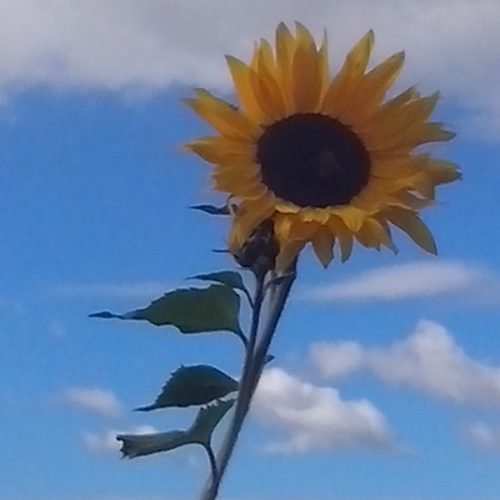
x=428 y=361
x=152 y=44
x=483 y=437
x=416 y=280
x=316 y=418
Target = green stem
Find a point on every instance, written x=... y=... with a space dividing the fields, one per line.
x=254 y=363
x=280 y=297
x=212 y=460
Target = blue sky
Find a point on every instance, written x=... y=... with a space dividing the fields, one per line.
x=387 y=368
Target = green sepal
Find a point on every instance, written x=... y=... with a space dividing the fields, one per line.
x=193 y=385
x=212 y=209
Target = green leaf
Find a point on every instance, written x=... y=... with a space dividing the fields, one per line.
x=192 y=310
x=232 y=279
x=207 y=420
x=138 y=445
x=193 y=385
x=211 y=209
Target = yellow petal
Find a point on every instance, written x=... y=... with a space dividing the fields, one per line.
x=352 y=217
x=373 y=87
x=391 y=124
x=306 y=73
x=343 y=236
x=286 y=207
x=374 y=233
x=324 y=65
x=266 y=57
x=222 y=116
x=398 y=166
x=323 y=246
x=443 y=172
x=410 y=223
x=408 y=201
x=282 y=227
x=320 y=215
x=222 y=149
x=301 y=230
x=251 y=213
x=349 y=76
x=266 y=89
x=285 y=49
x=289 y=251
x=240 y=73
x=205 y=148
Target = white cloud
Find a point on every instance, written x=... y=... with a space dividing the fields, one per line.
x=484 y=437
x=106 y=444
x=119 y=44
x=141 y=290
x=412 y=281
x=316 y=418
x=99 y=401
x=428 y=361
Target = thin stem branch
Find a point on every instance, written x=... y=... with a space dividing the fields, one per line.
x=243 y=339
x=212 y=460
x=248 y=296
x=254 y=362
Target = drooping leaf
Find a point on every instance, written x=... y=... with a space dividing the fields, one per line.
x=212 y=209
x=232 y=279
x=200 y=432
x=192 y=310
x=207 y=420
x=138 y=445
x=193 y=385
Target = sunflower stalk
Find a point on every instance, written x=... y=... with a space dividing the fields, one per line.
x=256 y=355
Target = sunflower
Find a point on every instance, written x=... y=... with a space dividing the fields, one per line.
x=328 y=160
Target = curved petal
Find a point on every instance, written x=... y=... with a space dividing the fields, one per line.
x=240 y=73
x=411 y=224
x=374 y=86
x=285 y=49
x=266 y=89
x=222 y=116
x=306 y=79
x=373 y=234
x=348 y=77
x=323 y=243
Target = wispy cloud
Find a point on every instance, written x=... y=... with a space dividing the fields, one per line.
x=316 y=418
x=129 y=44
x=483 y=437
x=105 y=443
x=99 y=401
x=412 y=281
x=428 y=361
x=140 y=290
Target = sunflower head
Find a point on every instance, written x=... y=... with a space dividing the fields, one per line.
x=327 y=160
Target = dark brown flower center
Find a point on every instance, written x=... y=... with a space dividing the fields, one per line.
x=313 y=160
